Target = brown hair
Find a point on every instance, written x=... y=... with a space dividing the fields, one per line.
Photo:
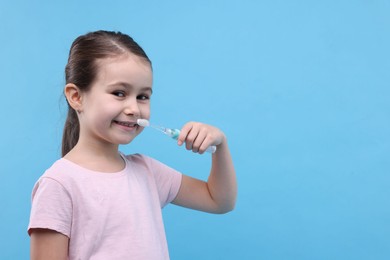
x=82 y=69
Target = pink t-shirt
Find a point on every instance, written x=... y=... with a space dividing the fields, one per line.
x=107 y=215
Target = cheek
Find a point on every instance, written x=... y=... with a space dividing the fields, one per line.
x=103 y=114
x=145 y=111
x=145 y=116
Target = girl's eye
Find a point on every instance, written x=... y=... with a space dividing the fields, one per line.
x=143 y=97
x=119 y=93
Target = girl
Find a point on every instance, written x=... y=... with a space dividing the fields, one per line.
x=95 y=202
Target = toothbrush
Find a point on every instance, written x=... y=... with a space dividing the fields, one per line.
x=173 y=133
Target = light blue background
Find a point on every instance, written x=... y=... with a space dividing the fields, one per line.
x=301 y=89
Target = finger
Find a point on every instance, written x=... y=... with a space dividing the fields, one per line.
x=199 y=142
x=205 y=145
x=191 y=137
x=183 y=133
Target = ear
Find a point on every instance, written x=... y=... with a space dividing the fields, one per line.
x=74 y=96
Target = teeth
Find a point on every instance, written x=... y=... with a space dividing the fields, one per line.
x=126 y=124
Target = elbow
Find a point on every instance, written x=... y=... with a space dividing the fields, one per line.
x=224 y=211
x=226 y=205
x=223 y=203
x=225 y=208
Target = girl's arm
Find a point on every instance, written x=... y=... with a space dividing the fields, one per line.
x=218 y=194
x=48 y=244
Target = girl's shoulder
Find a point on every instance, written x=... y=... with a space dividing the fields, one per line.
x=58 y=168
x=142 y=160
x=145 y=163
x=134 y=156
x=61 y=171
x=138 y=162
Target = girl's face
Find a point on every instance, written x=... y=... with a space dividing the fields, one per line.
x=118 y=97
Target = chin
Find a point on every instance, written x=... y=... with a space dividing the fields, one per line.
x=124 y=142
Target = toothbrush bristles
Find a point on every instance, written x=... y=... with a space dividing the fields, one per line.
x=143 y=122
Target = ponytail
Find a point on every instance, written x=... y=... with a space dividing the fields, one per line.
x=71 y=132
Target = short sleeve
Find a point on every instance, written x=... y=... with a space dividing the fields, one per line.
x=168 y=180
x=51 y=207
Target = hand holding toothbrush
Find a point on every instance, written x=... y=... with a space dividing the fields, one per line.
x=195 y=135
x=198 y=137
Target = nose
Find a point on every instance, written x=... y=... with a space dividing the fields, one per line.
x=131 y=108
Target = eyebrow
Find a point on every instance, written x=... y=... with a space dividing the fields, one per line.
x=129 y=86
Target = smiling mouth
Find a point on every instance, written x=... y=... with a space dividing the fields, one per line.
x=127 y=124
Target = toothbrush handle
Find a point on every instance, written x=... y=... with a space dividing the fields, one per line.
x=211 y=149
x=174 y=133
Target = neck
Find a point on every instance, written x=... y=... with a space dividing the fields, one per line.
x=103 y=158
